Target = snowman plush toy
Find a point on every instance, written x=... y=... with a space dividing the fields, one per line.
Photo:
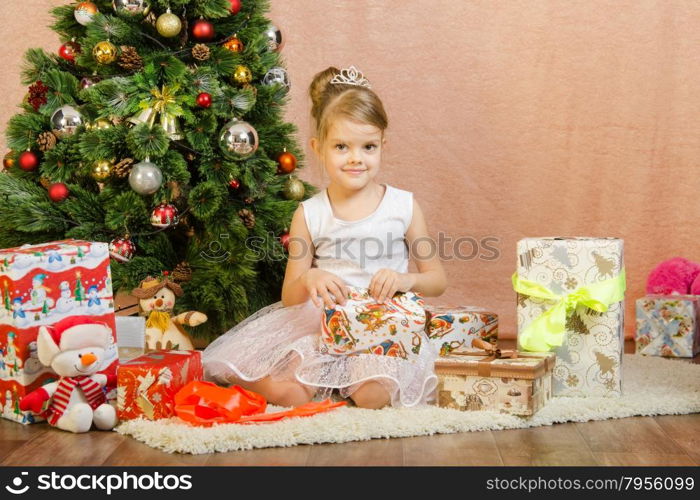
x=74 y=348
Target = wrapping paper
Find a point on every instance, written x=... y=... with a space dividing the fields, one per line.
x=452 y=328
x=518 y=386
x=40 y=285
x=668 y=326
x=364 y=326
x=146 y=386
x=589 y=362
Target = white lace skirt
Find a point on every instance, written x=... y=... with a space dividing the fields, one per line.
x=283 y=343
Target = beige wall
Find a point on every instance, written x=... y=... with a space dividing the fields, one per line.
x=507 y=118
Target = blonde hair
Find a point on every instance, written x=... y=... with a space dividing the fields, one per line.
x=331 y=100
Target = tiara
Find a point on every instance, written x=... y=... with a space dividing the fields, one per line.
x=351 y=76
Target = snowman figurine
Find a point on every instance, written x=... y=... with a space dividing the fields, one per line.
x=163 y=330
x=65 y=303
x=74 y=348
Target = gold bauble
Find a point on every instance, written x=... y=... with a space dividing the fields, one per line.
x=105 y=52
x=242 y=74
x=168 y=25
x=101 y=170
x=294 y=189
x=233 y=44
x=101 y=124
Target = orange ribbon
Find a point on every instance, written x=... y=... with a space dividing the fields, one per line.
x=205 y=404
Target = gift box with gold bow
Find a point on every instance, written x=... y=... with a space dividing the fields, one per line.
x=487 y=378
x=570 y=301
x=452 y=328
x=146 y=386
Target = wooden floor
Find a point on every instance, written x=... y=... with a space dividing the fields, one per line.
x=662 y=440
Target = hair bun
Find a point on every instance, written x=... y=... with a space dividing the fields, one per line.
x=318 y=87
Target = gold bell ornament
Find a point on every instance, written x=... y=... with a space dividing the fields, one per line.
x=157 y=107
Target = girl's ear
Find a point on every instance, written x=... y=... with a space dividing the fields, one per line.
x=314 y=145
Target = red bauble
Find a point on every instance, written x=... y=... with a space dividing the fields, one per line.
x=68 y=50
x=164 y=215
x=287 y=162
x=28 y=161
x=203 y=30
x=235 y=6
x=122 y=249
x=234 y=184
x=204 y=100
x=58 y=192
x=284 y=239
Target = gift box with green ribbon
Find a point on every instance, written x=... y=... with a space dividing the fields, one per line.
x=570 y=301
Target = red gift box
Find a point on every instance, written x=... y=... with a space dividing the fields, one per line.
x=146 y=385
x=39 y=286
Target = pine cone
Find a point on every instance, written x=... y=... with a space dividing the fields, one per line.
x=201 y=52
x=248 y=218
x=123 y=168
x=46 y=141
x=183 y=272
x=130 y=59
x=248 y=200
x=45 y=182
x=252 y=88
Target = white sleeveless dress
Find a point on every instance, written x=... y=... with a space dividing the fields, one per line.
x=283 y=342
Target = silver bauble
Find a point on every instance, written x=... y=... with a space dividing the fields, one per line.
x=277 y=75
x=66 y=120
x=131 y=7
x=275 y=42
x=238 y=140
x=145 y=177
x=88 y=81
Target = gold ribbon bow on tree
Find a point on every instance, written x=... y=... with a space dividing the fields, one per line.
x=162 y=103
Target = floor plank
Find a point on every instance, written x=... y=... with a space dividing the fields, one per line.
x=560 y=444
x=466 y=448
x=635 y=434
x=292 y=456
x=684 y=430
x=134 y=453
x=387 y=452
x=66 y=448
x=643 y=459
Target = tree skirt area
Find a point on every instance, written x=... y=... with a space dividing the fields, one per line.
x=651 y=386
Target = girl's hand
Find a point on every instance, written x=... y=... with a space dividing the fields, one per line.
x=386 y=282
x=320 y=282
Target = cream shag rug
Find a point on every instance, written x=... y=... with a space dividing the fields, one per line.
x=651 y=386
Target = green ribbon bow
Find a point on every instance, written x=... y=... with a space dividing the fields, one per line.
x=548 y=330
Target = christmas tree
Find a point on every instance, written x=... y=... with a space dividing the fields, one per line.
x=157 y=127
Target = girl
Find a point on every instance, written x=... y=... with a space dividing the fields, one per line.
x=355 y=233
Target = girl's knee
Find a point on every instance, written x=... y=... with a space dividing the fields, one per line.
x=289 y=394
x=371 y=395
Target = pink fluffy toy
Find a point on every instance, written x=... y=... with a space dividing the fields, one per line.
x=675 y=276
